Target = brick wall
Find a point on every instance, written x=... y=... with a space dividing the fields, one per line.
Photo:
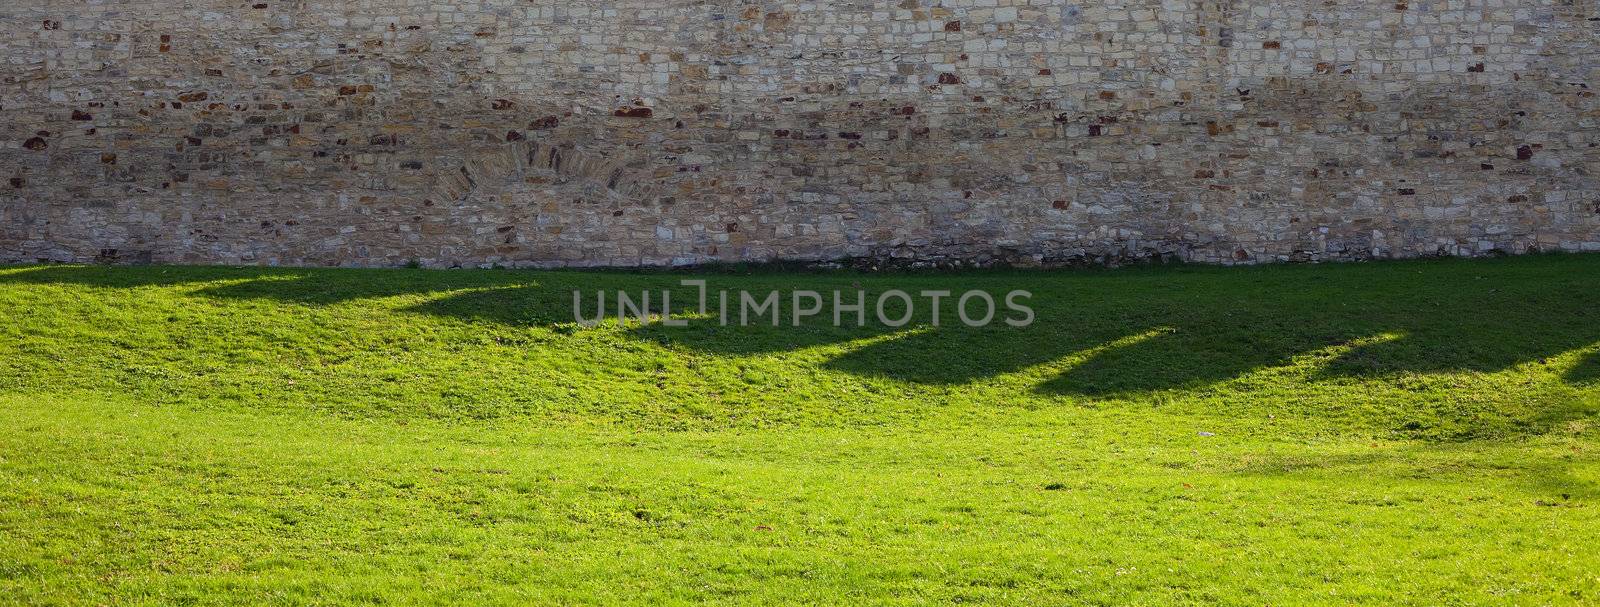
x=635 y=132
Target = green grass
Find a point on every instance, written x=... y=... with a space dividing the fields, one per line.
x=1419 y=432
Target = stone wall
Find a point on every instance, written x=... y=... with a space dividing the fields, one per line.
x=628 y=132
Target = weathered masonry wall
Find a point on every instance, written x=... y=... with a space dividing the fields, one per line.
x=626 y=132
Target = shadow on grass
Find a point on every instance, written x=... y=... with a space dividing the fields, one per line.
x=325 y=288
x=1196 y=326
x=1587 y=371
x=107 y=277
x=1148 y=330
x=1550 y=481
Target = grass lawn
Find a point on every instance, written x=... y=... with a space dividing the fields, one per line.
x=1419 y=432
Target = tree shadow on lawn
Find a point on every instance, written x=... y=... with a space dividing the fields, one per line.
x=1128 y=332
x=1451 y=320
x=1587 y=371
x=324 y=288
x=114 y=277
x=509 y=297
x=1143 y=331
x=289 y=285
x=1549 y=478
